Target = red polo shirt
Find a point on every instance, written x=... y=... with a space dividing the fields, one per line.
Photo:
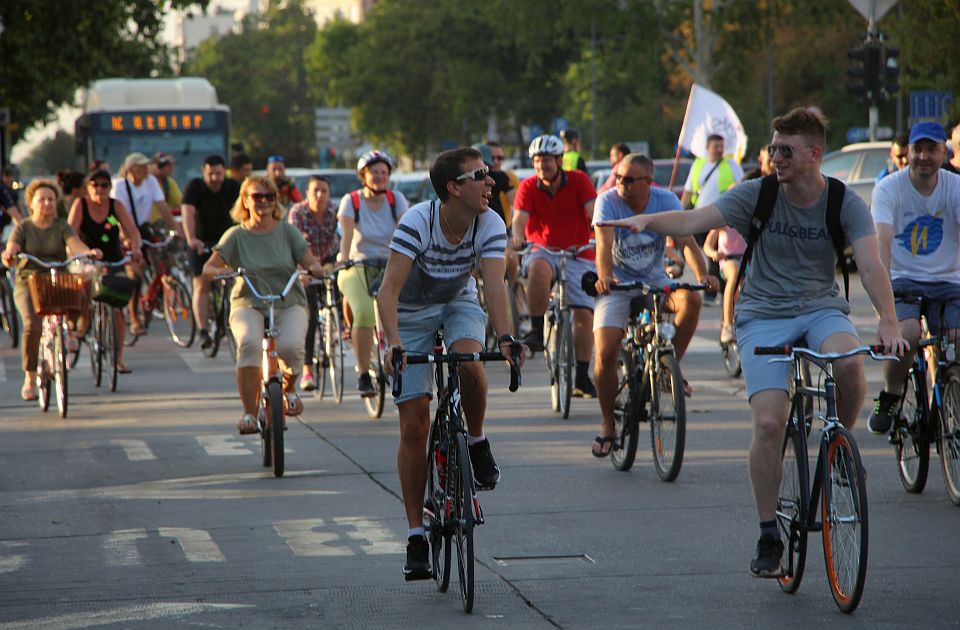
x=558 y=220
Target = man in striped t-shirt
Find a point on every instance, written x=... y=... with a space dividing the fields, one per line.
x=428 y=284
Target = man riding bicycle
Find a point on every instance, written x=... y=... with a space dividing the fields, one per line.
x=910 y=208
x=790 y=293
x=428 y=285
x=624 y=256
x=554 y=209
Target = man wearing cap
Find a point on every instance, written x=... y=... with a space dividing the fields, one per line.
x=139 y=191
x=162 y=169
x=917 y=211
x=277 y=170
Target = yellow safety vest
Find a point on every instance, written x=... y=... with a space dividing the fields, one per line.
x=570 y=160
x=724 y=177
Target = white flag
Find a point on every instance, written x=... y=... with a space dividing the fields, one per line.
x=707 y=114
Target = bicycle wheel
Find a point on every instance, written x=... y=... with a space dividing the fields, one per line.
x=791 y=509
x=215 y=323
x=565 y=362
x=551 y=351
x=44 y=365
x=911 y=443
x=434 y=505
x=463 y=521
x=95 y=341
x=731 y=358
x=626 y=412
x=275 y=420
x=374 y=404
x=333 y=346
x=178 y=312
x=950 y=434
x=110 y=348
x=8 y=311
x=668 y=418
x=266 y=435
x=845 y=523
x=60 y=369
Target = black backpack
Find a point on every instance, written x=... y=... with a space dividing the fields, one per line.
x=769 y=187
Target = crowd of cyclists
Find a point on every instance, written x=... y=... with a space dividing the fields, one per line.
x=407 y=273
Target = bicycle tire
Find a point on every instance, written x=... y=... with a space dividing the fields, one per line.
x=178 y=312
x=912 y=444
x=464 y=521
x=731 y=359
x=668 y=425
x=321 y=362
x=550 y=352
x=110 y=348
x=275 y=420
x=96 y=344
x=215 y=323
x=791 y=504
x=626 y=412
x=435 y=523
x=845 y=520
x=60 y=376
x=335 y=348
x=8 y=311
x=565 y=362
x=950 y=434
x=44 y=361
x=378 y=375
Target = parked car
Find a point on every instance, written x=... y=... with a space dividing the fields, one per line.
x=857 y=165
x=342 y=180
x=415 y=186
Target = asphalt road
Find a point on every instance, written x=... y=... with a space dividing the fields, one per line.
x=144 y=509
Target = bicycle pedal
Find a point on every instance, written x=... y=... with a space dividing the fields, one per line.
x=482 y=488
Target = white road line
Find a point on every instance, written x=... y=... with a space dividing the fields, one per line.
x=196 y=543
x=135 y=450
x=202 y=365
x=120 y=547
x=12 y=562
x=223 y=445
x=381 y=540
x=115 y=616
x=305 y=538
x=3 y=373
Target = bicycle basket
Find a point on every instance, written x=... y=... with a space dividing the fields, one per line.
x=114 y=289
x=60 y=294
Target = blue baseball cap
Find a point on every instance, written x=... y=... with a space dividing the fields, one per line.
x=928 y=131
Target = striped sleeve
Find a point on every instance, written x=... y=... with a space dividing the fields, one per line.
x=409 y=237
x=491 y=236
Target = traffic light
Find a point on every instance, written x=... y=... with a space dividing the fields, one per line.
x=891 y=70
x=866 y=72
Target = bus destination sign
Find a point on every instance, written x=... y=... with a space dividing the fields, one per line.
x=158 y=121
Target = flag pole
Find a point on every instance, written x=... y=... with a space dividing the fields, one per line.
x=683 y=128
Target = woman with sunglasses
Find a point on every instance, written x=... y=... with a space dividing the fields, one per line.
x=104 y=222
x=368 y=218
x=269 y=249
x=316 y=218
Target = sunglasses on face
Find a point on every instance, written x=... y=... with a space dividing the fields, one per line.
x=101 y=185
x=785 y=150
x=263 y=197
x=477 y=175
x=626 y=180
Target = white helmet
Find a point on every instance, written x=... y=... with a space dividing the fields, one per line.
x=372 y=157
x=545 y=145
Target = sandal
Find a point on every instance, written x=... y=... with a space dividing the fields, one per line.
x=28 y=392
x=293 y=406
x=123 y=369
x=603 y=441
x=247 y=425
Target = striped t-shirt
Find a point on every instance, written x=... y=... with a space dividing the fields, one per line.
x=439 y=265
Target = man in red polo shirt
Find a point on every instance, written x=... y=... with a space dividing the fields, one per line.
x=554 y=209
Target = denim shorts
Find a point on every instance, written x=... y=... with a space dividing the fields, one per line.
x=812 y=328
x=936 y=291
x=576 y=297
x=460 y=319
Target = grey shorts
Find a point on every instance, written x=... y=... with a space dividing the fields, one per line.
x=944 y=291
x=813 y=328
x=613 y=309
x=576 y=297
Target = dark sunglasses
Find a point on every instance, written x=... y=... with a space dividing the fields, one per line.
x=477 y=175
x=626 y=180
x=103 y=185
x=785 y=150
x=263 y=197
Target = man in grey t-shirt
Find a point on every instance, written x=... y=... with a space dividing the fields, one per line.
x=790 y=293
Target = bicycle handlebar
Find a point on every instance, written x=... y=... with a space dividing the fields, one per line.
x=112 y=265
x=589 y=279
x=241 y=272
x=455 y=358
x=162 y=244
x=569 y=251
x=875 y=352
x=54 y=264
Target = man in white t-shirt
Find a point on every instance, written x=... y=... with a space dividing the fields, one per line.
x=917 y=211
x=428 y=284
x=139 y=191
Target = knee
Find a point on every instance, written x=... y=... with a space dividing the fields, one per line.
x=472 y=376
x=768 y=427
x=414 y=421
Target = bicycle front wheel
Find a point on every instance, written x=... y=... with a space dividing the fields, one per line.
x=95 y=341
x=950 y=434
x=45 y=357
x=378 y=375
x=464 y=520
x=178 y=312
x=626 y=413
x=668 y=418
x=111 y=347
x=8 y=311
x=436 y=519
x=551 y=351
x=911 y=443
x=845 y=522
x=275 y=421
x=791 y=508
x=333 y=342
x=215 y=323
x=565 y=362
x=60 y=369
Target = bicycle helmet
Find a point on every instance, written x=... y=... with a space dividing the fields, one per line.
x=372 y=157
x=546 y=145
x=485 y=153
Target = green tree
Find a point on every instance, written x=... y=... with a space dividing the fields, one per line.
x=50 y=156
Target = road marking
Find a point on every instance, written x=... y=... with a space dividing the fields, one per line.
x=202 y=365
x=304 y=539
x=135 y=450
x=115 y=616
x=223 y=445
x=196 y=543
x=3 y=373
x=12 y=562
x=120 y=547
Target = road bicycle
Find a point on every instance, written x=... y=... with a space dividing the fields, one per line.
x=105 y=320
x=8 y=310
x=451 y=508
x=649 y=380
x=838 y=483
x=218 y=319
x=558 y=350
x=372 y=274
x=58 y=296
x=923 y=419
x=270 y=420
x=328 y=340
x=164 y=295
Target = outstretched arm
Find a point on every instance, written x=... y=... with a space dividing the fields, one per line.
x=675 y=223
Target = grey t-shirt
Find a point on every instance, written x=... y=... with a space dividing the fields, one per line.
x=793 y=268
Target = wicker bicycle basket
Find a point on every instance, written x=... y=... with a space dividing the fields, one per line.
x=60 y=294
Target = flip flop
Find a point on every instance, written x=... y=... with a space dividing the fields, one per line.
x=602 y=441
x=28 y=393
x=293 y=406
x=247 y=424
x=123 y=369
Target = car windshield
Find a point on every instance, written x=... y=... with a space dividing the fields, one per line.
x=840 y=165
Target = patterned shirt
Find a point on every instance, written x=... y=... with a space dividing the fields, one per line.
x=321 y=235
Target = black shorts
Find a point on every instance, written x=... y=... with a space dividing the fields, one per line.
x=197 y=261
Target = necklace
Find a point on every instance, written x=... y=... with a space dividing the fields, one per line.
x=445 y=223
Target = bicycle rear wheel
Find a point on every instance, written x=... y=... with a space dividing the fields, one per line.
x=435 y=504
x=626 y=413
x=333 y=347
x=791 y=508
x=950 y=434
x=215 y=323
x=565 y=362
x=374 y=404
x=111 y=347
x=911 y=443
x=8 y=311
x=60 y=369
x=845 y=522
x=464 y=520
x=178 y=312
x=668 y=418
x=551 y=351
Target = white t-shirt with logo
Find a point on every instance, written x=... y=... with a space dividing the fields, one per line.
x=926 y=240
x=144 y=196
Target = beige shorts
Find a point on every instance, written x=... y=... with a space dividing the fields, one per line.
x=247 y=327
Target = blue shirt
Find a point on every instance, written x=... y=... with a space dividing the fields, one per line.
x=637 y=257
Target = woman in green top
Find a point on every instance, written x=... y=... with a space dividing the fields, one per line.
x=269 y=250
x=48 y=237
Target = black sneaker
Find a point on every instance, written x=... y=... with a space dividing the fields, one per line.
x=533 y=340
x=485 y=471
x=583 y=388
x=365 y=386
x=205 y=339
x=767 y=562
x=881 y=418
x=418 y=560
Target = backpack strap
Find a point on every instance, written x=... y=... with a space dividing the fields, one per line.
x=769 y=187
x=355 y=199
x=835 y=192
x=392 y=200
